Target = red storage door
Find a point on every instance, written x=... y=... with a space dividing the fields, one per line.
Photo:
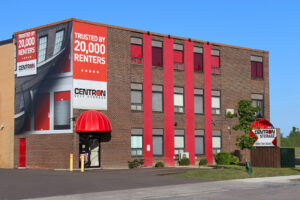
x=22 y=156
x=41 y=116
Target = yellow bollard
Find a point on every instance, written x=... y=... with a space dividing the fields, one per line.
x=71 y=162
x=82 y=162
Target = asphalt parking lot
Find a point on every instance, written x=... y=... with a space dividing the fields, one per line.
x=21 y=184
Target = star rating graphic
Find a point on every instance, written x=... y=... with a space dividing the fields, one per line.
x=90 y=71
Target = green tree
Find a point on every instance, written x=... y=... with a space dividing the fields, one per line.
x=292 y=140
x=246 y=115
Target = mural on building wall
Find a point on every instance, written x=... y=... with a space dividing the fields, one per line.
x=43 y=80
x=58 y=68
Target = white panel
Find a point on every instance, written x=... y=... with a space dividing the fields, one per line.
x=179 y=142
x=90 y=100
x=198 y=50
x=215 y=103
x=134 y=40
x=216 y=142
x=178 y=47
x=136 y=142
x=62 y=112
x=256 y=58
x=178 y=99
x=156 y=43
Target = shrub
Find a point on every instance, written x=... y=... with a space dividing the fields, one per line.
x=226 y=159
x=184 y=161
x=159 y=164
x=136 y=163
x=203 y=161
x=234 y=160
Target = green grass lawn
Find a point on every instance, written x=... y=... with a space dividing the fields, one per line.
x=237 y=172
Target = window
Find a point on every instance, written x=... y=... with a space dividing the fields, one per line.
x=158 y=142
x=178 y=56
x=136 y=142
x=198 y=101
x=157 y=53
x=256 y=67
x=42 y=48
x=215 y=61
x=178 y=100
x=136 y=96
x=198 y=59
x=179 y=141
x=62 y=112
x=258 y=101
x=136 y=50
x=58 y=41
x=199 y=142
x=216 y=102
x=157 y=98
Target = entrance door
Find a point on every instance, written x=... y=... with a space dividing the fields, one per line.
x=22 y=154
x=94 y=152
x=89 y=146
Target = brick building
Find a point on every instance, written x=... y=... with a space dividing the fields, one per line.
x=163 y=95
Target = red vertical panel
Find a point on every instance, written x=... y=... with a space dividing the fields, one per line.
x=41 y=115
x=189 y=100
x=62 y=96
x=207 y=100
x=169 y=101
x=148 y=100
x=22 y=155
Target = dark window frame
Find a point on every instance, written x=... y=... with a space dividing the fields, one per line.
x=203 y=145
x=220 y=104
x=200 y=71
x=134 y=60
x=162 y=54
x=162 y=95
x=136 y=149
x=184 y=146
x=142 y=99
x=163 y=145
x=255 y=77
x=199 y=95
x=219 y=148
x=183 y=106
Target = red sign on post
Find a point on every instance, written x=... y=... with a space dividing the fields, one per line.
x=26 y=54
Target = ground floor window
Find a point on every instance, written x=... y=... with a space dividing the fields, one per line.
x=199 y=145
x=216 y=144
x=157 y=145
x=136 y=145
x=179 y=144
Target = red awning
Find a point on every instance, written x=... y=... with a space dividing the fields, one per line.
x=261 y=124
x=92 y=121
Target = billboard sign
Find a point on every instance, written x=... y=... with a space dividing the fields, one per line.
x=89 y=66
x=26 y=54
x=264 y=137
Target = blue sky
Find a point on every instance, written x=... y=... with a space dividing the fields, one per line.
x=268 y=25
